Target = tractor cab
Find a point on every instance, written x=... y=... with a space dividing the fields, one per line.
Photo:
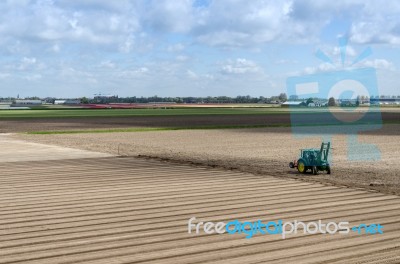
x=313 y=159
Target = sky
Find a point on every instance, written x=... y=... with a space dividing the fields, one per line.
x=71 y=48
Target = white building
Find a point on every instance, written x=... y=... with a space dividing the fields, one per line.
x=318 y=104
x=24 y=102
x=291 y=104
x=5 y=105
x=67 y=102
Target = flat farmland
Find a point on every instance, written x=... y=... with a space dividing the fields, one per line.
x=62 y=120
x=266 y=151
x=104 y=210
x=78 y=189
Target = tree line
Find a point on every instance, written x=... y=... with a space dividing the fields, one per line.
x=190 y=100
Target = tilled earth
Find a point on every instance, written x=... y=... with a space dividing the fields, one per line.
x=263 y=151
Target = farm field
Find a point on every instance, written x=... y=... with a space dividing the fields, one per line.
x=259 y=150
x=176 y=111
x=90 y=113
x=61 y=120
x=76 y=192
x=103 y=209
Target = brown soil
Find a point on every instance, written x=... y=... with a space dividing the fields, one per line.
x=264 y=151
x=127 y=210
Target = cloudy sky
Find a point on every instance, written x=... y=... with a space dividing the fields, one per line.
x=68 y=48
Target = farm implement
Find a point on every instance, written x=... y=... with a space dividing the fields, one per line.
x=313 y=159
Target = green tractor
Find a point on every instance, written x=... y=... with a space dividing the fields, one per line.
x=313 y=159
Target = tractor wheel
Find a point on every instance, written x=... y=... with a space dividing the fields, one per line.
x=328 y=170
x=301 y=166
x=291 y=165
x=314 y=170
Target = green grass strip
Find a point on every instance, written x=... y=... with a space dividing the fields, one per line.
x=145 y=129
x=149 y=129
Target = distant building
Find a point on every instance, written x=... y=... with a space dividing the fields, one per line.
x=72 y=101
x=384 y=101
x=67 y=102
x=5 y=104
x=292 y=104
x=347 y=102
x=318 y=104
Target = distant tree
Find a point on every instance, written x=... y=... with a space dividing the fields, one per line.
x=261 y=99
x=84 y=100
x=274 y=98
x=331 y=102
x=309 y=101
x=283 y=97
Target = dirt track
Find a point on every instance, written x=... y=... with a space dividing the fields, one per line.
x=266 y=151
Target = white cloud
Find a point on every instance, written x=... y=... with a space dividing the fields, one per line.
x=323 y=67
x=71 y=74
x=56 y=48
x=242 y=23
x=134 y=73
x=372 y=33
x=350 y=51
x=378 y=64
x=76 y=42
x=247 y=23
x=69 y=22
x=199 y=77
x=171 y=16
x=239 y=23
x=240 y=66
x=107 y=64
x=182 y=58
x=192 y=75
x=377 y=23
x=142 y=70
x=26 y=63
x=286 y=61
x=4 y=75
x=126 y=45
